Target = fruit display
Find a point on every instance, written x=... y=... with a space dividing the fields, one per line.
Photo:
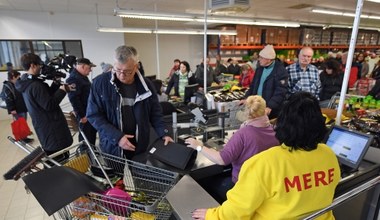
x=228 y=95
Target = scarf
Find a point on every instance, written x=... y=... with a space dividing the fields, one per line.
x=259 y=122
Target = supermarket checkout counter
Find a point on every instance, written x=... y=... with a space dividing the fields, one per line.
x=181 y=126
x=201 y=168
x=363 y=206
x=187 y=195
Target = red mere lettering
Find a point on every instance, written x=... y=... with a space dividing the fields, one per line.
x=309 y=180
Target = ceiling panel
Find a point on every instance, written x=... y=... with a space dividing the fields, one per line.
x=260 y=9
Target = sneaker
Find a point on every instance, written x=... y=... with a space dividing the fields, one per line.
x=27 y=140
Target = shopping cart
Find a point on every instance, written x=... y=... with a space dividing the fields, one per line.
x=146 y=185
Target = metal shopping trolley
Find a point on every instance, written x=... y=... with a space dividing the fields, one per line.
x=146 y=186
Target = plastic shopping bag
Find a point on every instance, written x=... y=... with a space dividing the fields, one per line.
x=20 y=129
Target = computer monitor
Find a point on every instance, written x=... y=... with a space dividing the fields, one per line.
x=190 y=90
x=348 y=145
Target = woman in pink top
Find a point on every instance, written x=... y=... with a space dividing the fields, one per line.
x=254 y=136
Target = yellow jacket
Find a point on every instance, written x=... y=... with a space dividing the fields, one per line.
x=279 y=184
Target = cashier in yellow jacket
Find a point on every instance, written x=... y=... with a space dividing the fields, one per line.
x=286 y=181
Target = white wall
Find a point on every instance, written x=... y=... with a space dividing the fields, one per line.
x=97 y=46
x=183 y=47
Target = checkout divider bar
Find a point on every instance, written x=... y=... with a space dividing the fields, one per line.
x=346 y=196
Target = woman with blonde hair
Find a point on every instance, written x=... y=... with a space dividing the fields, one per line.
x=255 y=135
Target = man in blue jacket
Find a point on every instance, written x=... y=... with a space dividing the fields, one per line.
x=122 y=105
x=270 y=81
x=79 y=97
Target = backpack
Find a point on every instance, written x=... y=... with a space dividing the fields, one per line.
x=3 y=96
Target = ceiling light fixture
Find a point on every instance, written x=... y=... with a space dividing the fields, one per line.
x=199 y=18
x=329 y=12
x=153 y=15
x=376 y=1
x=341 y=13
x=166 y=31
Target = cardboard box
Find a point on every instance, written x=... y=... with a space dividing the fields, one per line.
x=254 y=35
x=271 y=36
x=294 y=36
x=282 y=36
x=242 y=33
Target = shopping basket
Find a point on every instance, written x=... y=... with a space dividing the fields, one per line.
x=147 y=186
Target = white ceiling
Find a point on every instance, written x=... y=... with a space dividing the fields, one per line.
x=260 y=9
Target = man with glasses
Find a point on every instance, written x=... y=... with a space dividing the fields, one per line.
x=270 y=81
x=123 y=105
x=78 y=98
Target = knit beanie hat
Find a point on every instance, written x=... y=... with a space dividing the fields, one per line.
x=105 y=67
x=268 y=52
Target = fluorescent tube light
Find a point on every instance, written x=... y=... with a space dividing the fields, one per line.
x=324 y=11
x=374 y=17
x=199 y=18
x=347 y=14
x=166 y=31
x=339 y=26
x=377 y=1
x=152 y=15
x=281 y=24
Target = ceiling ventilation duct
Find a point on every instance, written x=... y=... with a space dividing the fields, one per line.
x=229 y=6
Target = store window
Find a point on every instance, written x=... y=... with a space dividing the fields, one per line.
x=12 y=50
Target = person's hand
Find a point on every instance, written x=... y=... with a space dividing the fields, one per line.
x=199 y=214
x=57 y=80
x=167 y=139
x=267 y=110
x=242 y=102
x=126 y=144
x=14 y=112
x=193 y=143
x=83 y=120
x=63 y=88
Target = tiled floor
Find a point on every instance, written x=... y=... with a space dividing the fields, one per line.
x=15 y=203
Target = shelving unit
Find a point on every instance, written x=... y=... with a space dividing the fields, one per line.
x=252 y=38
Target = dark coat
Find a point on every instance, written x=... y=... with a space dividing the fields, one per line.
x=233 y=69
x=375 y=91
x=79 y=97
x=42 y=102
x=220 y=68
x=274 y=89
x=211 y=76
x=14 y=98
x=104 y=113
x=174 y=82
x=330 y=85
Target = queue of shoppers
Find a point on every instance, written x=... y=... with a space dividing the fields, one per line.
x=121 y=107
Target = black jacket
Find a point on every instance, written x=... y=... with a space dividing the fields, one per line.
x=233 y=69
x=48 y=120
x=14 y=98
x=211 y=76
x=330 y=85
x=375 y=91
x=79 y=97
x=274 y=88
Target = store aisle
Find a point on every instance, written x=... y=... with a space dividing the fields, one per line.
x=15 y=203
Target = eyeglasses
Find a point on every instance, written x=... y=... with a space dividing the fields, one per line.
x=125 y=72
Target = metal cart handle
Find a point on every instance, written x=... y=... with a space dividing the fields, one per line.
x=348 y=195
